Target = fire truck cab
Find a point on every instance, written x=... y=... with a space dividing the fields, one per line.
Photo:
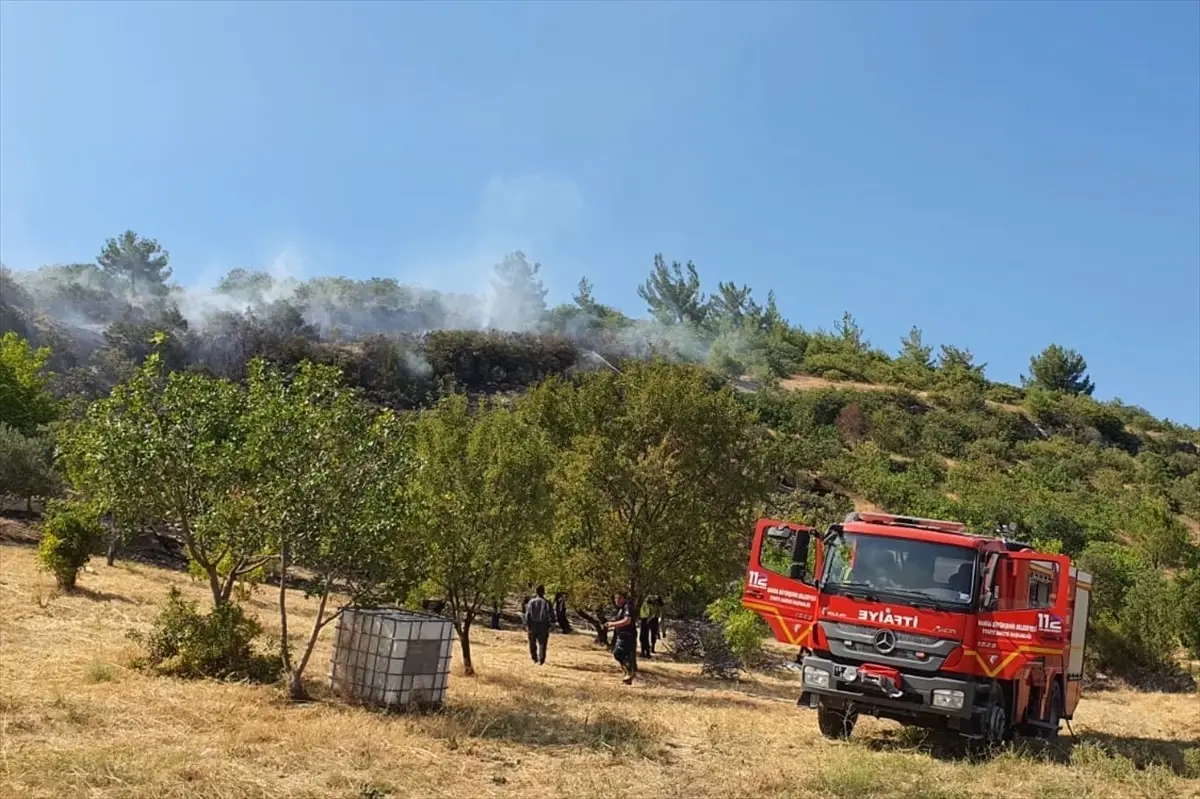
x=919 y=621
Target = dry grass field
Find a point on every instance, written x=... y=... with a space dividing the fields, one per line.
x=75 y=721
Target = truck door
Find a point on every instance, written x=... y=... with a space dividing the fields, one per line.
x=1023 y=616
x=781 y=579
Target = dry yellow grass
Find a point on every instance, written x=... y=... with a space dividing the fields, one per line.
x=75 y=721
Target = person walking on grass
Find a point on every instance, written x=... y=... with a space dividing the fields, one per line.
x=655 y=620
x=624 y=637
x=538 y=617
x=644 y=614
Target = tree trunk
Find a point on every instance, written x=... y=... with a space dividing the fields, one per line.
x=295 y=684
x=464 y=640
x=113 y=543
x=597 y=623
x=296 y=690
x=29 y=505
x=285 y=654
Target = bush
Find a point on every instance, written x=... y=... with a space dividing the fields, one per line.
x=1150 y=619
x=70 y=533
x=895 y=430
x=1004 y=394
x=219 y=644
x=744 y=630
x=1189 y=611
x=1185 y=492
x=1140 y=641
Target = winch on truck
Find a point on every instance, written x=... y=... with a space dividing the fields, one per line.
x=919 y=621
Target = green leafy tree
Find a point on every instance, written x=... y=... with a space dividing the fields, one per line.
x=1058 y=369
x=249 y=286
x=331 y=492
x=769 y=318
x=170 y=447
x=733 y=306
x=520 y=296
x=27 y=468
x=583 y=297
x=914 y=367
x=850 y=335
x=914 y=351
x=139 y=260
x=673 y=297
x=1157 y=534
x=959 y=364
x=24 y=401
x=482 y=481
x=659 y=476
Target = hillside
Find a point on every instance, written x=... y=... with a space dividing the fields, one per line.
x=913 y=433
x=77 y=720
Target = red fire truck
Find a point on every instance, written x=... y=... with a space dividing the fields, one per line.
x=919 y=621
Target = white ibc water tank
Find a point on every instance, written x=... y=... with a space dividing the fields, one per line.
x=391 y=658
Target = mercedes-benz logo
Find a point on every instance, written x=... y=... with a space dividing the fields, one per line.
x=885 y=641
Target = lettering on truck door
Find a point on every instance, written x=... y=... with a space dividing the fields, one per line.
x=1024 y=614
x=781 y=579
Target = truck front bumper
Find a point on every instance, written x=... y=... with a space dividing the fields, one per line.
x=939 y=696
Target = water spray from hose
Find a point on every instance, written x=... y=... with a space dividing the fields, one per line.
x=602 y=360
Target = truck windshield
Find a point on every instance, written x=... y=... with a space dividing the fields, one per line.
x=904 y=569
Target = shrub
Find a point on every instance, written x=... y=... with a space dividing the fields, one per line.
x=1186 y=494
x=1113 y=568
x=744 y=630
x=70 y=533
x=943 y=433
x=1150 y=620
x=1139 y=642
x=219 y=644
x=895 y=431
x=1189 y=611
x=1005 y=394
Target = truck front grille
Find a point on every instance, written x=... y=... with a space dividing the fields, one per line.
x=901 y=635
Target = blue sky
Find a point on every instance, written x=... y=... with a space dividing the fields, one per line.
x=1004 y=175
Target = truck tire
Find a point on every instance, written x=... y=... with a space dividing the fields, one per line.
x=996 y=725
x=835 y=723
x=1056 y=709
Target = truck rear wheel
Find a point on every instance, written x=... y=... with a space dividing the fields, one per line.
x=1050 y=731
x=836 y=722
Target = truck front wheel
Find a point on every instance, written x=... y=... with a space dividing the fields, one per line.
x=836 y=722
x=996 y=727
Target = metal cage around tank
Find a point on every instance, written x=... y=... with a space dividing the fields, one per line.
x=391 y=657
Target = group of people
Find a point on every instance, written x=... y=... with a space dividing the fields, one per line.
x=539 y=615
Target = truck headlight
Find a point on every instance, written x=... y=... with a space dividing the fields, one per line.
x=817 y=678
x=949 y=700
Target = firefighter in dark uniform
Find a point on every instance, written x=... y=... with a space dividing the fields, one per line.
x=624 y=629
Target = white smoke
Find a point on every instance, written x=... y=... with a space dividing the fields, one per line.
x=455 y=290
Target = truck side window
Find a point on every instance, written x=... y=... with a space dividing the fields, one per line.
x=792 y=556
x=1026 y=584
x=1043 y=576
